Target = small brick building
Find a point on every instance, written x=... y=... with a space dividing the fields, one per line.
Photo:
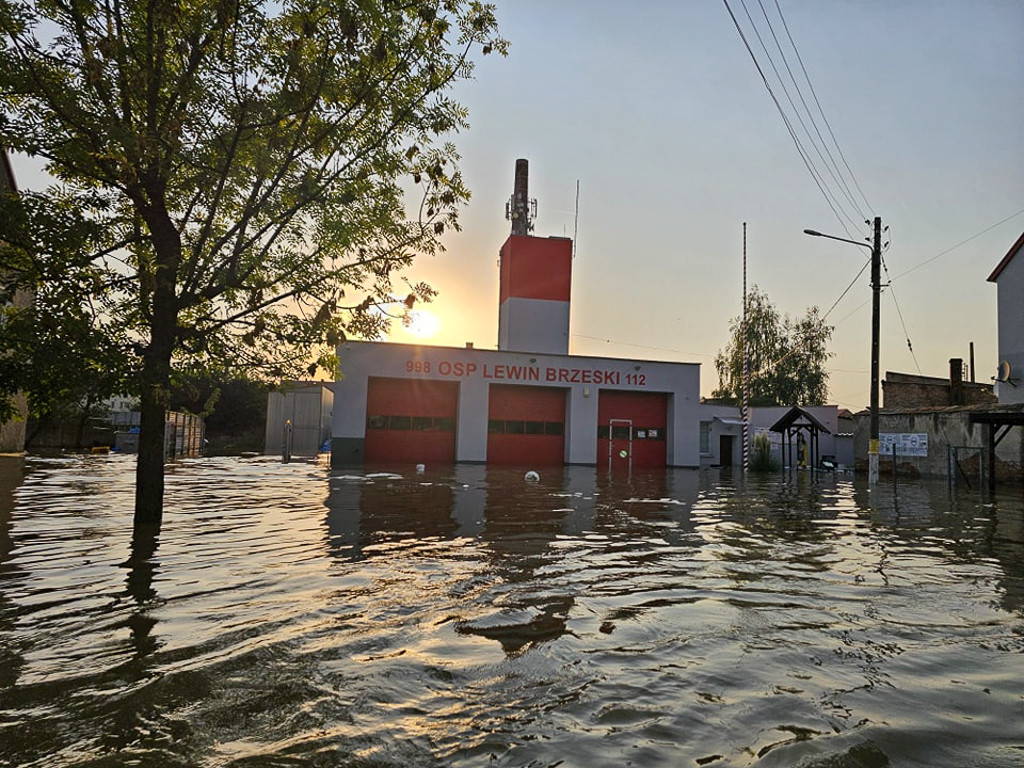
x=907 y=390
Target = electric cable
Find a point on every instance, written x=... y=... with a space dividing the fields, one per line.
x=821 y=111
x=830 y=162
x=899 y=312
x=782 y=114
x=855 y=279
x=641 y=346
x=800 y=147
x=962 y=242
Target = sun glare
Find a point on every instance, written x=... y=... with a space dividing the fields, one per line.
x=424 y=323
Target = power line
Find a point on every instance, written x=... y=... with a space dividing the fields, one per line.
x=856 y=309
x=641 y=346
x=830 y=162
x=906 y=333
x=831 y=181
x=785 y=119
x=918 y=266
x=867 y=262
x=811 y=166
x=814 y=94
x=962 y=242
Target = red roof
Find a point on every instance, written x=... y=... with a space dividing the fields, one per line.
x=1014 y=249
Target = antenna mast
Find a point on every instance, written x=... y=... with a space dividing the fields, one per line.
x=520 y=209
x=576 y=219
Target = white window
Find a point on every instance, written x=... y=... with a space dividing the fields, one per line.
x=705 y=437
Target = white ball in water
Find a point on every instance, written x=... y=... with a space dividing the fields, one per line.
x=531 y=477
x=421 y=468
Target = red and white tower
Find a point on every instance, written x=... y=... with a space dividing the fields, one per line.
x=536 y=277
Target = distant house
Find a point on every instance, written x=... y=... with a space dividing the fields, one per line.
x=846 y=422
x=933 y=426
x=721 y=434
x=12 y=433
x=121 y=410
x=1009 y=279
x=908 y=390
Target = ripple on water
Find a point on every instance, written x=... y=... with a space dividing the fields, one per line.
x=285 y=615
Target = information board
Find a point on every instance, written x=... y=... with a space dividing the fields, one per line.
x=907 y=443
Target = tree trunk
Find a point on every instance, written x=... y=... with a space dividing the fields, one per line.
x=156 y=364
x=149 y=473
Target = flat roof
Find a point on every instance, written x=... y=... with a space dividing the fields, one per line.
x=489 y=350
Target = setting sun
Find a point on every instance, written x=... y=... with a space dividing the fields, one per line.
x=423 y=323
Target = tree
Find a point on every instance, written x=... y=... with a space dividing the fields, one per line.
x=245 y=165
x=57 y=346
x=786 y=356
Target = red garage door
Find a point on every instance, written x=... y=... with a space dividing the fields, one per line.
x=411 y=421
x=631 y=429
x=525 y=425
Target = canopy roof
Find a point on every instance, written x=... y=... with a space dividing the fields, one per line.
x=798 y=417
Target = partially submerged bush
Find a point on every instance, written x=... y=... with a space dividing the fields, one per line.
x=761 y=459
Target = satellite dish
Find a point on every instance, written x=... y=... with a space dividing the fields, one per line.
x=1003 y=373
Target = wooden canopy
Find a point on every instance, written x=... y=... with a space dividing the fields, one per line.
x=792 y=426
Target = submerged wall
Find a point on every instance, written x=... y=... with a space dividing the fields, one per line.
x=943 y=428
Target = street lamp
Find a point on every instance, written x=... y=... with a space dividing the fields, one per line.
x=876 y=261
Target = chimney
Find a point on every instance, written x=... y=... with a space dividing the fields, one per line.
x=956 y=381
x=519 y=206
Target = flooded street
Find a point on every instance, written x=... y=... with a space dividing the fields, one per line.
x=288 y=615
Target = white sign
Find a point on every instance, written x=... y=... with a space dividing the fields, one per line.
x=907 y=443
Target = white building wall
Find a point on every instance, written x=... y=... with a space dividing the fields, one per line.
x=720 y=420
x=684 y=431
x=475 y=370
x=711 y=417
x=1010 y=300
x=533 y=325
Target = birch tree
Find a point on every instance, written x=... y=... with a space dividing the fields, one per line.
x=786 y=356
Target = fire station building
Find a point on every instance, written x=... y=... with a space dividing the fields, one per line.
x=527 y=403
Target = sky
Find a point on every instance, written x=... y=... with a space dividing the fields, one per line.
x=658 y=112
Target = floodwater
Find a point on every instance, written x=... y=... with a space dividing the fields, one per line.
x=288 y=615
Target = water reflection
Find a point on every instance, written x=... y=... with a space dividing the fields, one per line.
x=367 y=511
x=522 y=527
x=12 y=471
x=142 y=568
x=290 y=615
x=521 y=522
x=963 y=528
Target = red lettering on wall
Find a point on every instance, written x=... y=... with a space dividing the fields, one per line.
x=505 y=372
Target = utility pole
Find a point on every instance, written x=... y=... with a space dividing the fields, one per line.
x=746 y=364
x=876 y=287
